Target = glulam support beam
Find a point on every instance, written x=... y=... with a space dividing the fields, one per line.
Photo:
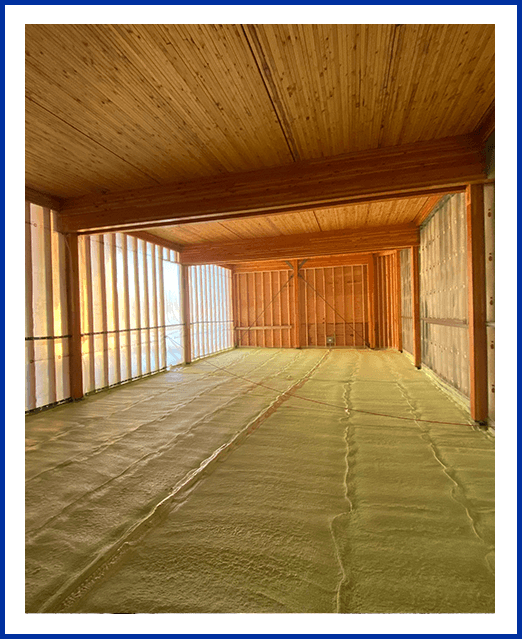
x=74 y=317
x=477 y=303
x=419 y=169
x=43 y=199
x=304 y=245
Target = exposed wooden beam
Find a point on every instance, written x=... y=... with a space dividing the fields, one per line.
x=305 y=245
x=314 y=262
x=486 y=125
x=477 y=303
x=43 y=199
x=415 y=306
x=409 y=170
x=74 y=314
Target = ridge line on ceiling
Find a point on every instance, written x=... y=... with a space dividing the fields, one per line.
x=273 y=96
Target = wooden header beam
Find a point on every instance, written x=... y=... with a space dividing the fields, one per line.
x=43 y=199
x=305 y=245
x=316 y=262
x=423 y=168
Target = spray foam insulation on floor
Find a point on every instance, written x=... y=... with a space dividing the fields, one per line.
x=196 y=491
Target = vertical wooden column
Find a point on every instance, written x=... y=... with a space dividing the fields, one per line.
x=185 y=291
x=372 y=302
x=399 y=299
x=415 y=306
x=477 y=302
x=297 y=305
x=74 y=310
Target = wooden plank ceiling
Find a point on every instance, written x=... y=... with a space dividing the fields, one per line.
x=112 y=108
x=357 y=216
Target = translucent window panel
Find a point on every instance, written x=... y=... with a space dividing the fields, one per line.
x=172 y=285
x=110 y=293
x=98 y=285
x=44 y=372
x=211 y=316
x=59 y=269
x=47 y=365
x=30 y=382
x=122 y=280
x=132 y=286
x=173 y=319
x=122 y=308
x=88 y=363
x=61 y=357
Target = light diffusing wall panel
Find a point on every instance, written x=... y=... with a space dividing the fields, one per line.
x=444 y=293
x=130 y=309
x=46 y=326
x=210 y=309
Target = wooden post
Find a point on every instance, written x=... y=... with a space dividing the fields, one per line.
x=399 y=299
x=415 y=306
x=185 y=290
x=74 y=311
x=297 y=306
x=477 y=302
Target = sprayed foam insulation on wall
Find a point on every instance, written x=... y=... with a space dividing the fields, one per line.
x=489 y=227
x=406 y=309
x=444 y=293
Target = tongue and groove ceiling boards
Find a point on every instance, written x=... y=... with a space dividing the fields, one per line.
x=116 y=108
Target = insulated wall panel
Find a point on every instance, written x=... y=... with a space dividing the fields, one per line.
x=489 y=228
x=46 y=327
x=128 y=286
x=444 y=293
x=124 y=297
x=211 y=324
x=172 y=312
x=406 y=307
